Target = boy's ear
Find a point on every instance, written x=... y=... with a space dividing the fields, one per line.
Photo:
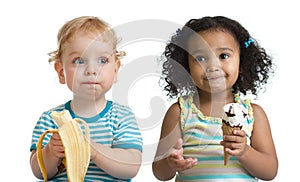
x=117 y=66
x=60 y=72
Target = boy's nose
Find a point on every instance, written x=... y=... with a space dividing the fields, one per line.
x=91 y=69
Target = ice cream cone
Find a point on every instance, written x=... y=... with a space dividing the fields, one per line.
x=228 y=130
x=233 y=118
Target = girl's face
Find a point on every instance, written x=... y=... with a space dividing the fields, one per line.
x=214 y=60
x=88 y=66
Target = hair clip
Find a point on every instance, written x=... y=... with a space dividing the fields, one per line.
x=248 y=42
x=120 y=54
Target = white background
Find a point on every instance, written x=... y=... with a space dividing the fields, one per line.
x=29 y=84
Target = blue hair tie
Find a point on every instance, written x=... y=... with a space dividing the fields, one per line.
x=179 y=32
x=248 y=42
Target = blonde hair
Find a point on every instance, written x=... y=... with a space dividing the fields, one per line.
x=89 y=25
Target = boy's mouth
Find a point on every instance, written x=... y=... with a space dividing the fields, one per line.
x=90 y=83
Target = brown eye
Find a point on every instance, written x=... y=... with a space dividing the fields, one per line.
x=200 y=58
x=224 y=56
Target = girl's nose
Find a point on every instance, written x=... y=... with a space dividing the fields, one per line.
x=212 y=68
x=213 y=65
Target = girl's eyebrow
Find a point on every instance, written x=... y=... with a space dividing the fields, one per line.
x=198 y=51
x=225 y=49
x=205 y=50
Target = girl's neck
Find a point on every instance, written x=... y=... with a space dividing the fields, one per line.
x=211 y=104
x=87 y=108
x=223 y=97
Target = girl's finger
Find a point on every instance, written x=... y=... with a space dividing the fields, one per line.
x=241 y=133
x=233 y=138
x=179 y=144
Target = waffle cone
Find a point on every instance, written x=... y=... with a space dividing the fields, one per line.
x=228 y=130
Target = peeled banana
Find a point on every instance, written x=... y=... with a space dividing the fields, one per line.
x=76 y=145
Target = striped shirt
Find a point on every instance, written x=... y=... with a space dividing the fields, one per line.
x=115 y=127
x=201 y=139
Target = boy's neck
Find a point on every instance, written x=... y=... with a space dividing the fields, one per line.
x=87 y=108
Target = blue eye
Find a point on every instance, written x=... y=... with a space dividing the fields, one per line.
x=102 y=60
x=200 y=58
x=78 y=61
x=224 y=56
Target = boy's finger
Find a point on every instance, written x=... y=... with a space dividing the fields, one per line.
x=56 y=136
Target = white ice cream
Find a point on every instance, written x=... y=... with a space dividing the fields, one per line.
x=234 y=114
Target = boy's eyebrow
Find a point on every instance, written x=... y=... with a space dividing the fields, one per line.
x=71 y=53
x=100 y=52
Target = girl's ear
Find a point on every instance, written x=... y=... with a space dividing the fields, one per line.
x=60 y=71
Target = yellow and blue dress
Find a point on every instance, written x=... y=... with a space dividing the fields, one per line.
x=201 y=139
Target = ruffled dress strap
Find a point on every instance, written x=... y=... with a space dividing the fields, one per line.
x=185 y=104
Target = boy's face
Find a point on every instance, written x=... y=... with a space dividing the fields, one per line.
x=88 y=66
x=214 y=61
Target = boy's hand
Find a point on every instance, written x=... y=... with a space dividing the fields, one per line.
x=56 y=146
x=93 y=149
x=176 y=160
x=235 y=144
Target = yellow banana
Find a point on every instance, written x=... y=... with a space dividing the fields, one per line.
x=76 y=145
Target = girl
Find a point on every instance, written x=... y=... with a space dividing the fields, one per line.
x=87 y=61
x=222 y=62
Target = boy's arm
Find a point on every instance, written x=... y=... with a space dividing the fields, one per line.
x=260 y=160
x=51 y=162
x=117 y=162
x=122 y=159
x=52 y=153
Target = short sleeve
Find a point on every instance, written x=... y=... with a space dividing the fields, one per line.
x=44 y=123
x=127 y=134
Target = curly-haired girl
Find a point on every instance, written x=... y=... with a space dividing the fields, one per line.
x=209 y=63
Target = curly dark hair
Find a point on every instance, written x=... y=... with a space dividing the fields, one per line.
x=256 y=65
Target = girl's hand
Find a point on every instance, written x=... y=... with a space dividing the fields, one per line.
x=235 y=144
x=176 y=160
x=56 y=146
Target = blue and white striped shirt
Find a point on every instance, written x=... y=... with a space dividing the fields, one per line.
x=115 y=127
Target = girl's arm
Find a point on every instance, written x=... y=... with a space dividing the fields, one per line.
x=169 y=155
x=170 y=133
x=120 y=163
x=260 y=159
